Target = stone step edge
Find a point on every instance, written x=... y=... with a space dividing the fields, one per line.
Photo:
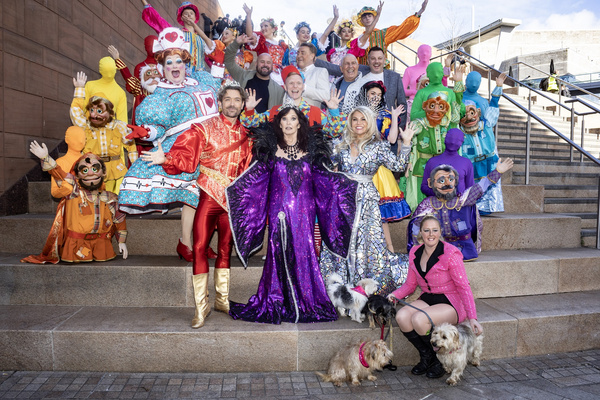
x=160 y=339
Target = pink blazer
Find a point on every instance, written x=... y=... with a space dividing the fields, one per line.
x=447 y=276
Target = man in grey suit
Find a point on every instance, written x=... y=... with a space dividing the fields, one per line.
x=260 y=80
x=375 y=71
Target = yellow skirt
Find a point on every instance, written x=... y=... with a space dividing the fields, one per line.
x=392 y=205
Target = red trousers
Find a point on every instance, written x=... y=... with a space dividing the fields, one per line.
x=208 y=215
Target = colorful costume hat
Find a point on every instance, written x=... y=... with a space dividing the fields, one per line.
x=290 y=69
x=171 y=38
x=363 y=11
x=182 y=7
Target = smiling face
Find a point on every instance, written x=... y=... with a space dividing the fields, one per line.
x=303 y=35
x=99 y=115
x=174 y=69
x=349 y=68
x=431 y=232
x=289 y=123
x=267 y=30
x=376 y=61
x=294 y=86
x=232 y=104
x=227 y=37
x=264 y=65
x=305 y=57
x=435 y=109
x=90 y=172
x=359 y=124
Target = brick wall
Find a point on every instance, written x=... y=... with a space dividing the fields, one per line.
x=43 y=44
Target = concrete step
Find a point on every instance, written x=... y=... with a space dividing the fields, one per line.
x=579 y=205
x=159 y=235
x=159 y=339
x=565 y=178
x=164 y=281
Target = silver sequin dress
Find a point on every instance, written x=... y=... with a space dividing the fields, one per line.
x=368 y=256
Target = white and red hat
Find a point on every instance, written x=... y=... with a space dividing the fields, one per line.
x=171 y=38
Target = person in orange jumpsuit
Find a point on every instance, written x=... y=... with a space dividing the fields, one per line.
x=86 y=219
x=221 y=147
x=367 y=17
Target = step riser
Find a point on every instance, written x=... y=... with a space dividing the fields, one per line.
x=521 y=273
x=159 y=340
x=570 y=208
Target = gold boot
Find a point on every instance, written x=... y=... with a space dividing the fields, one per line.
x=222 y=289
x=200 y=283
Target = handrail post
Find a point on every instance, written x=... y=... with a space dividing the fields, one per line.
x=598 y=217
x=559 y=96
x=582 y=136
x=572 y=131
x=489 y=84
x=527 y=141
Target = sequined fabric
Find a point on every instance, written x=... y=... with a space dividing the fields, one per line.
x=368 y=256
x=291 y=288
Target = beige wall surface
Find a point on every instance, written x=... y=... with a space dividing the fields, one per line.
x=43 y=44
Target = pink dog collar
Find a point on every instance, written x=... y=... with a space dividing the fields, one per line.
x=361 y=355
x=360 y=290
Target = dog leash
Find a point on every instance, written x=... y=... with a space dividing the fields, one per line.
x=418 y=309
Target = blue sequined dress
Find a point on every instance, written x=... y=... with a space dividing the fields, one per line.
x=368 y=256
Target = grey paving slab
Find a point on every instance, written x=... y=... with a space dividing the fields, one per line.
x=574 y=375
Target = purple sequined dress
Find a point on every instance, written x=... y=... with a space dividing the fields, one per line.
x=289 y=194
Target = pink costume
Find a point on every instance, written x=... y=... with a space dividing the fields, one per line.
x=412 y=74
x=447 y=276
x=336 y=54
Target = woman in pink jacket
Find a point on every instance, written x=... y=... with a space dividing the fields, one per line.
x=438 y=268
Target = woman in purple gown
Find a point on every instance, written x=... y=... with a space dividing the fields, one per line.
x=287 y=185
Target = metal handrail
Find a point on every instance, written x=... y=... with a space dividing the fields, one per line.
x=559 y=79
x=551 y=128
x=398 y=58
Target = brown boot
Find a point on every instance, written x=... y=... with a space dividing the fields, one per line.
x=200 y=283
x=222 y=289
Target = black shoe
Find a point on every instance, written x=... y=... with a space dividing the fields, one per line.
x=436 y=370
x=421 y=368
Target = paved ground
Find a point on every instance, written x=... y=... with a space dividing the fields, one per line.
x=549 y=377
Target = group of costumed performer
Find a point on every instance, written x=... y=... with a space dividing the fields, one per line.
x=177 y=102
x=435 y=110
x=219 y=148
x=288 y=185
x=360 y=154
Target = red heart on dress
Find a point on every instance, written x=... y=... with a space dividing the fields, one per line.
x=171 y=36
x=209 y=102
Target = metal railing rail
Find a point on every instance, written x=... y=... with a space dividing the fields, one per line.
x=398 y=58
x=530 y=115
x=559 y=80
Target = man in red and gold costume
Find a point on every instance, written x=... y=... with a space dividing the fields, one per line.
x=221 y=147
x=87 y=217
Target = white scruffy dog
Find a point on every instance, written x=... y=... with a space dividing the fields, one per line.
x=344 y=296
x=456 y=345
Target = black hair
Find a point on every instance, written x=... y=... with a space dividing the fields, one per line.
x=303 y=129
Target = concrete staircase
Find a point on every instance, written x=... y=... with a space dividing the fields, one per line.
x=571 y=187
x=537 y=290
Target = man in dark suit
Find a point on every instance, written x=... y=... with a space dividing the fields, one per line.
x=375 y=71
